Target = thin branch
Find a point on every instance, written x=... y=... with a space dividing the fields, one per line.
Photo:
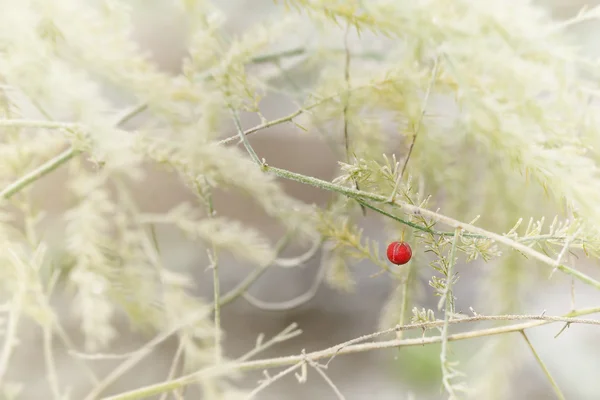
x=243 y=139
x=302 y=110
x=131 y=113
x=10 y=336
x=345 y=348
x=410 y=208
x=56 y=161
x=271 y=57
x=298 y=51
x=557 y=390
x=217 y=306
x=449 y=299
x=173 y=370
x=288 y=333
x=421 y=228
x=140 y=354
x=417 y=127
x=51 y=363
x=37 y=173
x=40 y=124
x=404 y=302
x=270 y=380
x=135 y=357
x=332 y=385
x=347 y=104
x=265 y=125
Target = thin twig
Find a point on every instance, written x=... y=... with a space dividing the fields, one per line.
x=271 y=57
x=404 y=302
x=135 y=357
x=217 y=306
x=449 y=299
x=265 y=125
x=421 y=228
x=131 y=113
x=302 y=110
x=298 y=360
x=56 y=161
x=557 y=390
x=417 y=128
x=40 y=124
x=10 y=336
x=410 y=208
x=140 y=354
x=269 y=381
x=288 y=333
x=51 y=363
x=347 y=104
x=173 y=369
x=332 y=385
x=37 y=173
x=243 y=138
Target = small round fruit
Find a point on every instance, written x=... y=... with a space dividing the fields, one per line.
x=399 y=252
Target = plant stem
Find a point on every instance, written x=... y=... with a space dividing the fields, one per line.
x=348 y=348
x=417 y=128
x=243 y=138
x=262 y=126
x=269 y=381
x=37 y=173
x=410 y=208
x=217 y=307
x=449 y=298
x=546 y=371
x=51 y=363
x=10 y=336
x=61 y=158
x=41 y=124
x=270 y=57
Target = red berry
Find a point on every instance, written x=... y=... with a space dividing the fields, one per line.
x=399 y=252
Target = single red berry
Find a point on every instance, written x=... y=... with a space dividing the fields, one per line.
x=399 y=252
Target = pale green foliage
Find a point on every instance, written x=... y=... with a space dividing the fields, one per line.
x=347 y=241
x=222 y=233
x=338 y=275
x=88 y=240
x=422 y=316
x=494 y=105
x=216 y=166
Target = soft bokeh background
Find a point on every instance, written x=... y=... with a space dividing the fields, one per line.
x=331 y=317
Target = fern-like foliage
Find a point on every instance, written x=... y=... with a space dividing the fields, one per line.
x=453 y=121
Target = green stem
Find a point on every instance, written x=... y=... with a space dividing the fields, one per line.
x=417 y=128
x=449 y=298
x=265 y=125
x=271 y=57
x=217 y=307
x=37 y=173
x=410 y=208
x=544 y=368
x=243 y=138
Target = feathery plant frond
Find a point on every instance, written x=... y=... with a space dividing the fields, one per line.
x=504 y=106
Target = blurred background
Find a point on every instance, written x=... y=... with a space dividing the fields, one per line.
x=330 y=317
